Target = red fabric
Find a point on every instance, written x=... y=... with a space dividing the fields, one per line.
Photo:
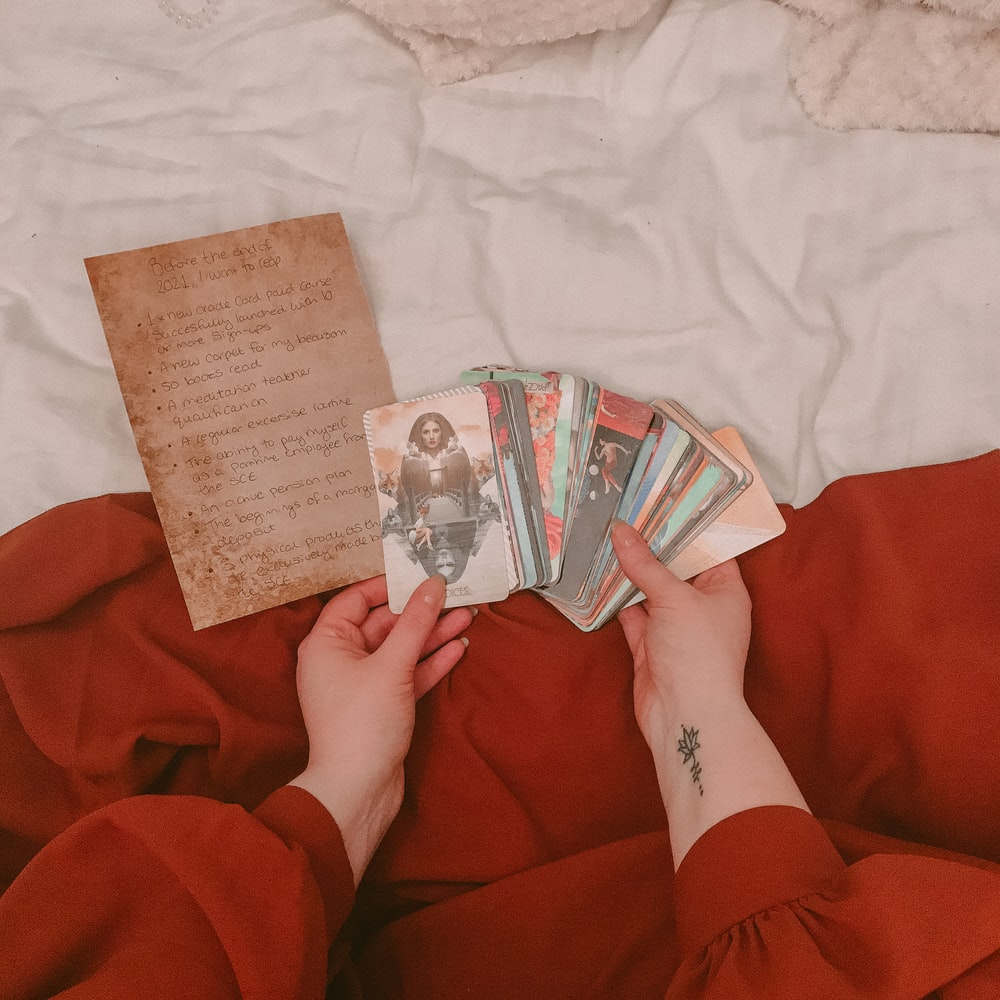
x=789 y=919
x=106 y=690
x=137 y=899
x=530 y=857
x=875 y=664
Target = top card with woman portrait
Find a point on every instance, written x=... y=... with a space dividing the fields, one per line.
x=434 y=468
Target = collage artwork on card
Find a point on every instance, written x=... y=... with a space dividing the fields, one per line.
x=434 y=469
x=514 y=479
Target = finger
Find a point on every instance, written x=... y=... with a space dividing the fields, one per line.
x=643 y=568
x=725 y=583
x=633 y=621
x=724 y=576
x=353 y=603
x=406 y=639
x=377 y=626
x=449 y=626
x=437 y=666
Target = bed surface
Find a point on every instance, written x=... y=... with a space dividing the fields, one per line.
x=648 y=207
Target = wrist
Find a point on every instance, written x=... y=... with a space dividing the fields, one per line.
x=362 y=815
x=691 y=728
x=715 y=760
x=697 y=705
x=704 y=688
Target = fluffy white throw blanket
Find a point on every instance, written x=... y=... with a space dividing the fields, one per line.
x=457 y=39
x=904 y=64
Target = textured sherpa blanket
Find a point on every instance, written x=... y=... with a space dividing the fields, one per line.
x=455 y=41
x=920 y=66
x=931 y=65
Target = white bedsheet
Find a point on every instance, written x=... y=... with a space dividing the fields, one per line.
x=647 y=207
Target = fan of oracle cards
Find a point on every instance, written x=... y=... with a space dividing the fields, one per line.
x=513 y=479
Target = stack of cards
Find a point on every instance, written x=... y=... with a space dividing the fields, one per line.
x=513 y=480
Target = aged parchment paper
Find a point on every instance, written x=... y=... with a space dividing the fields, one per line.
x=246 y=361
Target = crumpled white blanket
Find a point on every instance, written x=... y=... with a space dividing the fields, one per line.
x=457 y=39
x=917 y=65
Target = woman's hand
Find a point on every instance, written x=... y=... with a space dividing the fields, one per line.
x=684 y=637
x=360 y=671
x=689 y=642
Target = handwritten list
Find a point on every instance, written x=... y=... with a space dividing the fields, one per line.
x=246 y=361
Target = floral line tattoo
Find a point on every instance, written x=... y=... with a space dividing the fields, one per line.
x=686 y=746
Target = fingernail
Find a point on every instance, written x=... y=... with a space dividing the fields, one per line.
x=464 y=641
x=474 y=610
x=624 y=537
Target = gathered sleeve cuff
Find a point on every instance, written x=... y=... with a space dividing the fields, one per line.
x=767 y=907
x=182 y=896
x=298 y=818
x=771 y=854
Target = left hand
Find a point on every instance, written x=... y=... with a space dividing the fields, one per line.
x=685 y=638
x=360 y=671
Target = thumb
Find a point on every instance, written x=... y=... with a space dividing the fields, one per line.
x=643 y=568
x=408 y=636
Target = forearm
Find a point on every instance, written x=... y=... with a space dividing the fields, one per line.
x=713 y=760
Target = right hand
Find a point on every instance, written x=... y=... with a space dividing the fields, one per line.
x=360 y=672
x=688 y=640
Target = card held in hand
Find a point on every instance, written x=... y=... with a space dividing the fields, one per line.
x=752 y=519
x=435 y=470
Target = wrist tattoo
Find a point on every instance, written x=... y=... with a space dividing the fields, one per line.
x=686 y=747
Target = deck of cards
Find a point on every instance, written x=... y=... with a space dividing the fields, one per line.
x=513 y=479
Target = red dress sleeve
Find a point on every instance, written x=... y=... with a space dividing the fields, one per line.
x=766 y=907
x=180 y=896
